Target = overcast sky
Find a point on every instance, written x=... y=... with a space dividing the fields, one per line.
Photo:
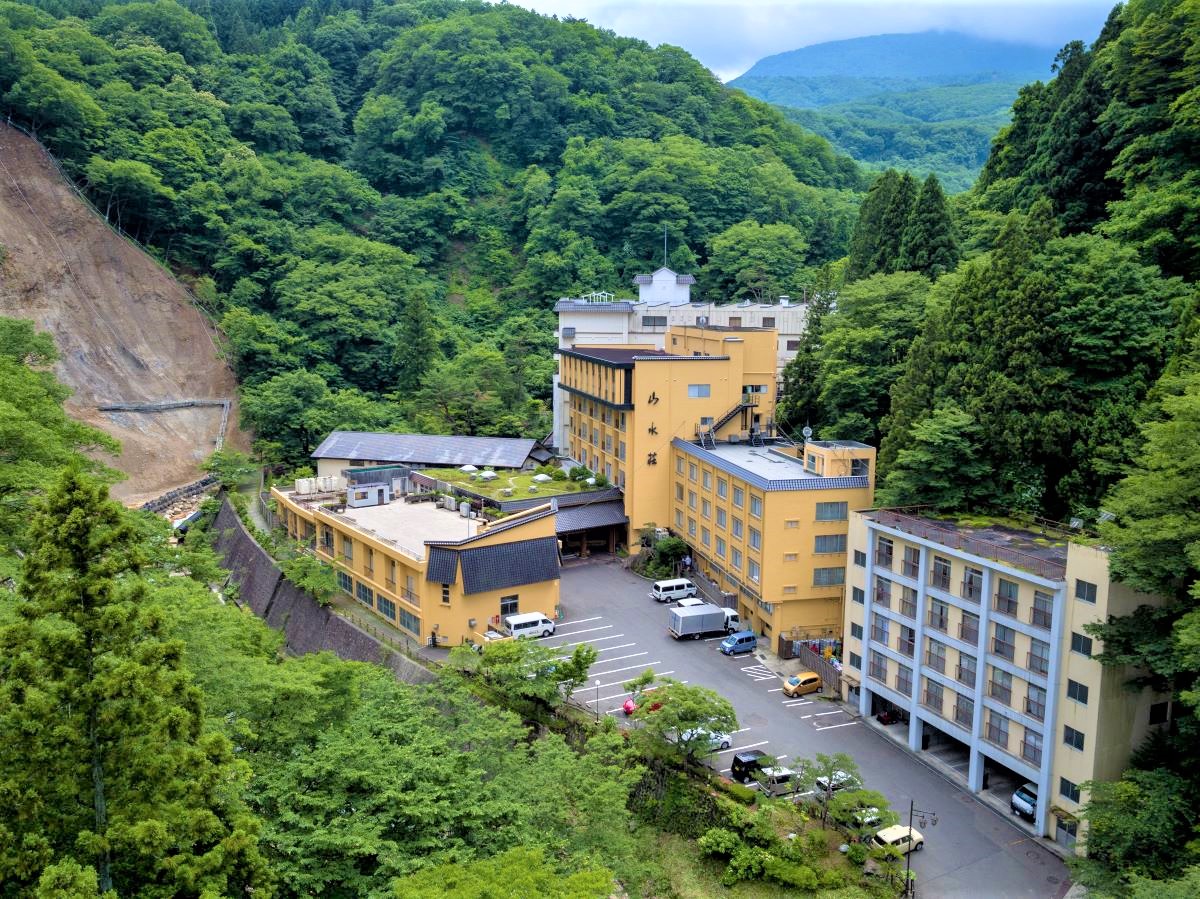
x=729 y=37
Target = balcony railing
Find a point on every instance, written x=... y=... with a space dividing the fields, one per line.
x=1031 y=753
x=968 y=633
x=1036 y=708
x=1000 y=691
x=910 y=568
x=964 y=675
x=410 y=597
x=906 y=647
x=1006 y=605
x=933 y=701
x=972 y=590
x=939 y=622
x=994 y=734
x=1004 y=649
x=879 y=635
x=964 y=714
x=908 y=608
x=904 y=683
x=884 y=560
x=883 y=598
x=940 y=579
x=1037 y=664
x=390 y=583
x=879 y=672
x=937 y=663
x=1042 y=618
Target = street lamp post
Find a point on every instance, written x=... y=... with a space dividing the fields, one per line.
x=913 y=810
x=597 y=701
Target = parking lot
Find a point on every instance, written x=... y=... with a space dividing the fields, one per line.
x=972 y=849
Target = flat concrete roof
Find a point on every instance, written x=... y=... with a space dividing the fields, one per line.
x=762 y=461
x=409 y=525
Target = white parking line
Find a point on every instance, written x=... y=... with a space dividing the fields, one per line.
x=580 y=621
x=626 y=668
x=744 y=748
x=740 y=730
x=593 y=640
x=621 y=683
x=832 y=726
x=615 y=695
x=834 y=712
x=805 y=717
x=632 y=655
x=586 y=630
x=618 y=646
x=713 y=639
x=792 y=703
x=776 y=690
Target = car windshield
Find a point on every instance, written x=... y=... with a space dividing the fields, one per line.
x=1026 y=795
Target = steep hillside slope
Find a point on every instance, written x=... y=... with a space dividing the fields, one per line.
x=125 y=328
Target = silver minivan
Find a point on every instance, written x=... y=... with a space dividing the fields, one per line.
x=529 y=624
x=676 y=588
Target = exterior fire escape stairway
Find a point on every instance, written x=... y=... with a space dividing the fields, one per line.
x=708 y=436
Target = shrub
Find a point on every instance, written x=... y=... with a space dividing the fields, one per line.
x=718 y=841
x=857 y=854
x=578 y=473
x=558 y=474
x=833 y=879
x=742 y=794
x=602 y=481
x=748 y=863
x=790 y=874
x=546 y=469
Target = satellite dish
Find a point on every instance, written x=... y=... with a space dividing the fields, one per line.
x=807 y=432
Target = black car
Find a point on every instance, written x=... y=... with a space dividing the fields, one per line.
x=745 y=764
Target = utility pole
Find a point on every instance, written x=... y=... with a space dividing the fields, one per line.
x=912 y=809
x=597 y=700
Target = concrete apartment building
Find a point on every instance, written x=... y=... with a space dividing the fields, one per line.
x=977 y=633
x=665 y=301
x=688 y=434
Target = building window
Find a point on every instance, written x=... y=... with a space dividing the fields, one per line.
x=755 y=538
x=1000 y=686
x=699 y=391
x=911 y=565
x=939 y=615
x=832 y=511
x=720 y=547
x=345 y=582
x=1081 y=644
x=883 y=592
x=410 y=622
x=793 y=346
x=654 y=321
x=768 y=321
x=1039 y=657
x=364 y=594
x=737 y=527
x=706 y=480
x=860 y=468
x=736 y=560
x=856 y=661
x=907 y=642
x=1077 y=692
x=940 y=576
x=722 y=488
x=1004 y=642
x=1031 y=747
x=1006 y=597
x=1068 y=790
x=828 y=577
x=860 y=558
x=830 y=543
x=968 y=628
x=1073 y=737
x=997 y=729
x=964 y=671
x=858 y=595
x=972 y=585
x=679 y=465
x=692 y=499
x=692 y=471
x=739 y=497
x=884 y=552
x=678 y=518
x=721 y=518
x=691 y=527
x=706 y=508
x=934 y=695
x=935 y=656
x=753 y=571
x=756 y=506
x=908 y=601
x=1159 y=712
x=679 y=491
x=510 y=605
x=705 y=537
x=1035 y=702
x=878 y=666
x=348 y=549
x=904 y=681
x=1042 y=613
x=1066 y=832
x=1086 y=591
x=964 y=711
x=385 y=606
x=856 y=630
x=879 y=628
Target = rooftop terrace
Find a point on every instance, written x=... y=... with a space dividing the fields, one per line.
x=518 y=482
x=765 y=467
x=1040 y=547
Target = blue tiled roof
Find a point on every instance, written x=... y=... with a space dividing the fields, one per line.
x=442 y=567
x=592 y=515
x=809 y=483
x=426 y=449
x=506 y=565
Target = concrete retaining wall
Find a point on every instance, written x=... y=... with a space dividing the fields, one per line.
x=306 y=625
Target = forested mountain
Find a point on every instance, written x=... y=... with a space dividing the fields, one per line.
x=928 y=102
x=1056 y=370
x=383 y=199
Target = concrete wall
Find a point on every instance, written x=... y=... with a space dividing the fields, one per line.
x=306 y=625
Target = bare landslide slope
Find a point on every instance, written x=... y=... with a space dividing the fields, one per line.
x=125 y=328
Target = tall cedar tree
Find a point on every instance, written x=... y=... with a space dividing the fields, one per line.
x=103 y=755
x=928 y=245
x=868 y=230
x=799 y=405
x=892 y=224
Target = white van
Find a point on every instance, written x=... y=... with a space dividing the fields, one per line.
x=678 y=588
x=528 y=624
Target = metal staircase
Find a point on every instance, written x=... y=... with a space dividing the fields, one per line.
x=708 y=436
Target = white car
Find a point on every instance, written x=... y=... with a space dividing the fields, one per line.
x=716 y=740
x=839 y=781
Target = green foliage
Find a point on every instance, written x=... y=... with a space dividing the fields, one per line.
x=517 y=873
x=753 y=261
x=231 y=467
x=311 y=575
x=681 y=716
x=941 y=465
x=928 y=245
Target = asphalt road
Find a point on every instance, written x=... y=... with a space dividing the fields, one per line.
x=973 y=850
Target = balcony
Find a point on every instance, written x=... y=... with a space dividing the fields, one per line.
x=932 y=701
x=1005 y=605
x=996 y=735
x=999 y=691
x=904 y=683
x=939 y=579
x=906 y=647
x=883 y=598
x=937 y=663
x=879 y=635
x=1004 y=649
x=878 y=672
x=1031 y=753
x=968 y=632
x=1042 y=618
x=908 y=607
x=938 y=622
x=1035 y=708
x=409 y=597
x=971 y=590
x=1037 y=664
x=965 y=675
x=883 y=560
x=910 y=568
x=963 y=715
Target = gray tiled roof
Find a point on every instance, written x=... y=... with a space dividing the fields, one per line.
x=563 y=501
x=442 y=567
x=426 y=449
x=505 y=565
x=593 y=515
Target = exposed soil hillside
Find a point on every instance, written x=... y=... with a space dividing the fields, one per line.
x=124 y=327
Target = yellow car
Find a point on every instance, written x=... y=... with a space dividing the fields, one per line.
x=802 y=684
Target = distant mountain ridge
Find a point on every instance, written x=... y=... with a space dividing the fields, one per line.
x=928 y=102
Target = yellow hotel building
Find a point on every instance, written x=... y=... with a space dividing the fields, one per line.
x=688 y=434
x=434 y=574
x=976 y=632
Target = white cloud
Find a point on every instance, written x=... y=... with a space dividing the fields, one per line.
x=729 y=37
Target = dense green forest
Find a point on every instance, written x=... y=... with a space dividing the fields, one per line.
x=926 y=102
x=362 y=190
x=1056 y=370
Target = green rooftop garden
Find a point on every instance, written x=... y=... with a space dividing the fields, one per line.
x=518 y=482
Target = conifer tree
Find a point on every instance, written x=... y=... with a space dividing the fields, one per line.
x=104 y=762
x=892 y=224
x=928 y=245
x=864 y=245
